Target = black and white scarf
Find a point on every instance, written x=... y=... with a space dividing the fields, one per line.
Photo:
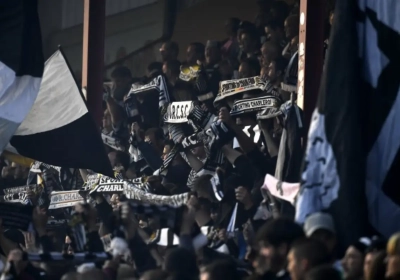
x=18 y=194
x=158 y=84
x=233 y=87
x=256 y=104
x=112 y=142
x=200 y=119
x=63 y=199
x=178 y=112
x=131 y=192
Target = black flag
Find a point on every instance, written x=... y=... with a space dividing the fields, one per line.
x=333 y=177
x=59 y=129
x=21 y=64
x=353 y=157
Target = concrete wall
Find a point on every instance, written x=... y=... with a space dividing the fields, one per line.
x=205 y=20
x=125 y=32
x=128 y=31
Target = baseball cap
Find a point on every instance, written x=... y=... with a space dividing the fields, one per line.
x=318 y=221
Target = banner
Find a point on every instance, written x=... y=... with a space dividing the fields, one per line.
x=112 y=142
x=39 y=167
x=162 y=200
x=18 y=194
x=158 y=84
x=282 y=190
x=178 y=112
x=100 y=183
x=107 y=184
x=193 y=140
x=232 y=87
x=65 y=199
x=250 y=105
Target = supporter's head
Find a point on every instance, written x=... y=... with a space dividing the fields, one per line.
x=119 y=159
x=156 y=274
x=107 y=124
x=279 y=11
x=292 y=27
x=156 y=186
x=393 y=257
x=125 y=272
x=178 y=276
x=354 y=259
x=331 y=17
x=182 y=91
x=250 y=41
x=377 y=269
x=195 y=51
x=270 y=51
x=275 y=239
x=264 y=71
x=264 y=5
x=70 y=276
x=154 y=69
x=171 y=69
x=122 y=79
x=168 y=145
x=260 y=21
x=15 y=171
x=19 y=171
x=181 y=261
x=155 y=136
x=232 y=26
x=212 y=52
x=323 y=272
x=172 y=188
x=243 y=27
x=169 y=51
x=226 y=70
x=199 y=152
x=276 y=70
x=131 y=172
x=274 y=31
x=249 y=68
x=304 y=255
x=292 y=2
x=92 y=274
x=223 y=269
x=377 y=245
x=320 y=226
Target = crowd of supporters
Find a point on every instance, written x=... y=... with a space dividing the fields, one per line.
x=250 y=232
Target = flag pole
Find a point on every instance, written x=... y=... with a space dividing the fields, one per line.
x=93 y=56
x=311 y=55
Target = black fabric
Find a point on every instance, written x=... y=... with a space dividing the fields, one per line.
x=290 y=158
x=149 y=110
x=384 y=95
x=141 y=255
x=178 y=174
x=16 y=215
x=76 y=145
x=341 y=117
x=20 y=37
